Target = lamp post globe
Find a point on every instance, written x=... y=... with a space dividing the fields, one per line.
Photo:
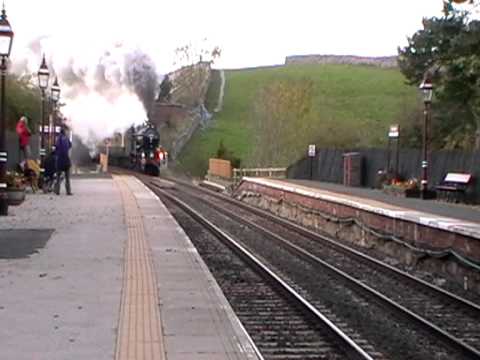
x=426 y=87
x=55 y=90
x=6 y=40
x=43 y=77
x=6 y=35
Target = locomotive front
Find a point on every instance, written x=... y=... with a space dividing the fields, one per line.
x=151 y=144
x=145 y=155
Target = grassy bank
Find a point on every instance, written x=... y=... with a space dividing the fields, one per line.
x=352 y=103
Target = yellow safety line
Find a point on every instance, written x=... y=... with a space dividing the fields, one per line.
x=139 y=332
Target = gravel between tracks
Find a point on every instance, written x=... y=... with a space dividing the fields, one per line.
x=391 y=335
x=279 y=331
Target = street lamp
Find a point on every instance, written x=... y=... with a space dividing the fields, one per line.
x=55 y=97
x=55 y=90
x=43 y=76
x=6 y=39
x=427 y=90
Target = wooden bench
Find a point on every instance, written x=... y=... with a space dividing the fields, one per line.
x=454 y=186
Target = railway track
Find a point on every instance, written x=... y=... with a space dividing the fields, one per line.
x=451 y=319
x=281 y=322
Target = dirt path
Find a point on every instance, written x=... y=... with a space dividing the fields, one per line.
x=219 y=106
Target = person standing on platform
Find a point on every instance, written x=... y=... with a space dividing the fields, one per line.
x=24 y=134
x=62 y=148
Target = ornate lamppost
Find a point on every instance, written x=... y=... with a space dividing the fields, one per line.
x=55 y=96
x=43 y=76
x=6 y=39
x=427 y=89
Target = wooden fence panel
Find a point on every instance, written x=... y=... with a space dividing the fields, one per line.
x=220 y=167
x=328 y=165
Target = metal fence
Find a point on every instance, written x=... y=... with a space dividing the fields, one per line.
x=276 y=173
x=327 y=166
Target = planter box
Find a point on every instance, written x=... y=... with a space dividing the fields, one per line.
x=412 y=193
x=398 y=191
x=15 y=196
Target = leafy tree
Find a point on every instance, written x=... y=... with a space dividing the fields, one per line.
x=221 y=151
x=282 y=113
x=191 y=81
x=448 y=48
x=226 y=154
x=165 y=89
x=22 y=98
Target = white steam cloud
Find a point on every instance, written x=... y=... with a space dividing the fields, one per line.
x=106 y=91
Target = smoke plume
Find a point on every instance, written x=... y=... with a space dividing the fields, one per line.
x=103 y=92
x=142 y=77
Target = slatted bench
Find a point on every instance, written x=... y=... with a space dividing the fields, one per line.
x=454 y=186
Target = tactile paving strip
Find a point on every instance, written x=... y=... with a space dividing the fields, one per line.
x=139 y=332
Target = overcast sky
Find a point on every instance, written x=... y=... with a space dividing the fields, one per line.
x=250 y=32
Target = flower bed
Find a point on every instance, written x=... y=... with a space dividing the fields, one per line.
x=15 y=188
x=402 y=188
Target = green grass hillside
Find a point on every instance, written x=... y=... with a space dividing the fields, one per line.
x=352 y=106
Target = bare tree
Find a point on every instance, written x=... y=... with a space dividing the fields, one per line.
x=191 y=81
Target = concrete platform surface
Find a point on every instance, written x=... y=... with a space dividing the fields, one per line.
x=435 y=207
x=62 y=302
x=63 y=296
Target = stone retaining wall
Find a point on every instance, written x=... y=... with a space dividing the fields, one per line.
x=383 y=61
x=322 y=216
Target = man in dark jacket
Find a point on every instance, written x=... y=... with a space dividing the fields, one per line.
x=62 y=148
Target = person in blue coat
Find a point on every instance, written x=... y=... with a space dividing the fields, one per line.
x=62 y=149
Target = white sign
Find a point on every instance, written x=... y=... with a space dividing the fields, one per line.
x=46 y=129
x=394 y=131
x=311 y=150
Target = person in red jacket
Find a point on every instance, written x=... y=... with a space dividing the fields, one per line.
x=24 y=134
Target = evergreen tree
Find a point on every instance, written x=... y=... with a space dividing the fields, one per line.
x=449 y=49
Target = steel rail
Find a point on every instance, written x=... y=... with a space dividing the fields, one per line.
x=466 y=349
x=351 y=348
x=338 y=246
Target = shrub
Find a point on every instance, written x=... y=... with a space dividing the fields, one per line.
x=225 y=154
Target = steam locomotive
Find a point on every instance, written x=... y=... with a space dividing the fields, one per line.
x=146 y=155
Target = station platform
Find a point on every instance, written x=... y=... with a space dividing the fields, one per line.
x=440 y=208
x=456 y=218
x=423 y=227
x=108 y=274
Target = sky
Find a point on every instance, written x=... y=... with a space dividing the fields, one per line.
x=249 y=32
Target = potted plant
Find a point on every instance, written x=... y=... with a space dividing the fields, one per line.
x=412 y=188
x=407 y=188
x=15 y=188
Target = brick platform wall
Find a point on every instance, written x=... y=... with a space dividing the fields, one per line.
x=305 y=211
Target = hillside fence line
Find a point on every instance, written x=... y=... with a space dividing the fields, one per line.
x=327 y=166
x=381 y=61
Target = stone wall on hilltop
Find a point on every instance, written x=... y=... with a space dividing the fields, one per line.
x=383 y=61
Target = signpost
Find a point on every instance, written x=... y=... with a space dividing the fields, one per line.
x=44 y=131
x=104 y=157
x=311 y=154
x=394 y=134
